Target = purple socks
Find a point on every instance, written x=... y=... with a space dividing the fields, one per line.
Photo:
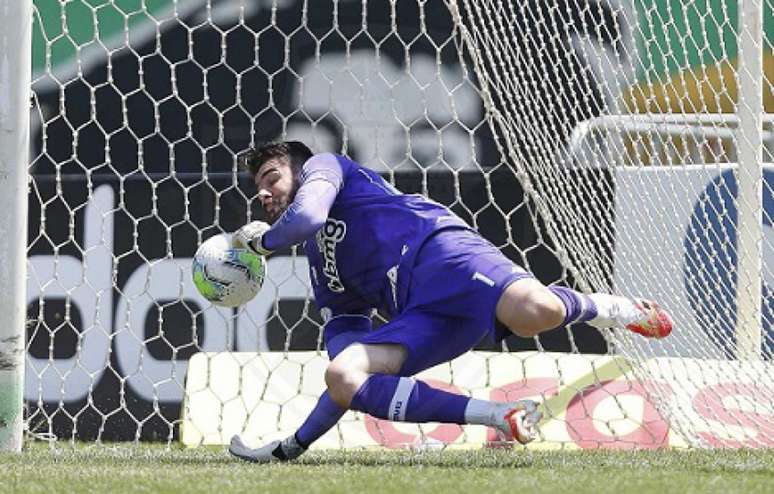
x=578 y=306
x=324 y=416
x=403 y=399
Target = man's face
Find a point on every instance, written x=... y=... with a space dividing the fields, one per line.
x=276 y=187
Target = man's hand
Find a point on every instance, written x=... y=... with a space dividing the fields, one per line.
x=250 y=237
x=287 y=449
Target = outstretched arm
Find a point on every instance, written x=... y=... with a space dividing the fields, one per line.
x=320 y=182
x=305 y=215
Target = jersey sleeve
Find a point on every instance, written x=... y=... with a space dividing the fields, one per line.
x=324 y=167
x=321 y=180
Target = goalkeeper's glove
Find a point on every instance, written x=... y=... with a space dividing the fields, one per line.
x=250 y=237
x=287 y=449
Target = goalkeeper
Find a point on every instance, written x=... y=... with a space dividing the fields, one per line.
x=444 y=287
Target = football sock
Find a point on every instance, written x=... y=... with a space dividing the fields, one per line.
x=483 y=412
x=403 y=399
x=578 y=307
x=324 y=416
x=613 y=310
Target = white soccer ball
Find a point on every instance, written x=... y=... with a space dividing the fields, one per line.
x=227 y=276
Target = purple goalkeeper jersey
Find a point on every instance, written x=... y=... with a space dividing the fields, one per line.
x=362 y=257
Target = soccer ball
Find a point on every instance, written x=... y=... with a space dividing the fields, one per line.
x=226 y=276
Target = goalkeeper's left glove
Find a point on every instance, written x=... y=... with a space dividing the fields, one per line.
x=287 y=449
x=250 y=237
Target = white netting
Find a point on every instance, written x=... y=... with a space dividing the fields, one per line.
x=668 y=135
x=569 y=133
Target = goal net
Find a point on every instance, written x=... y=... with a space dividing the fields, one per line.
x=607 y=145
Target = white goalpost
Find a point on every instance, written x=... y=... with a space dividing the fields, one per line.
x=585 y=138
x=15 y=44
x=749 y=328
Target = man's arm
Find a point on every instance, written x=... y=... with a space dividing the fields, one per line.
x=320 y=182
x=305 y=215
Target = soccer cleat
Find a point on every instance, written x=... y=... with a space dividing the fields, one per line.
x=287 y=449
x=654 y=322
x=518 y=421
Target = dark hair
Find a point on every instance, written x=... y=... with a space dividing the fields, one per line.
x=295 y=151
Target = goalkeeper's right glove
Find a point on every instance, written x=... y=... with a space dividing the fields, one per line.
x=287 y=449
x=250 y=237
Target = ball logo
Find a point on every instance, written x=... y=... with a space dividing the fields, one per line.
x=710 y=262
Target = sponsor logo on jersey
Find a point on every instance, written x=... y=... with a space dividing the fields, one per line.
x=329 y=235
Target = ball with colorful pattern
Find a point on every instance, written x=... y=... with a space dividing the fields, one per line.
x=226 y=276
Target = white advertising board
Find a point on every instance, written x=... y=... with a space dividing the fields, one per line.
x=588 y=402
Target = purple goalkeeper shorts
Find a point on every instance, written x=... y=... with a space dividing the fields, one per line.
x=453 y=292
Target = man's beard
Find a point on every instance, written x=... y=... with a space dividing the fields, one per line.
x=279 y=209
x=276 y=212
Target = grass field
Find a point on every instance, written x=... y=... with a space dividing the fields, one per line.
x=155 y=469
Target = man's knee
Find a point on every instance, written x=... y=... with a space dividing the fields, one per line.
x=342 y=382
x=547 y=309
x=352 y=366
x=529 y=308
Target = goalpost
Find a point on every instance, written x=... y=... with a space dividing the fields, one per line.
x=749 y=329
x=586 y=139
x=15 y=43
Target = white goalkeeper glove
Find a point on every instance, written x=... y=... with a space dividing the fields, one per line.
x=250 y=237
x=287 y=449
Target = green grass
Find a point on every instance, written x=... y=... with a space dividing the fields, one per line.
x=154 y=469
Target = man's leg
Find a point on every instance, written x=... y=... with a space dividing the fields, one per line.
x=319 y=421
x=528 y=308
x=363 y=378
